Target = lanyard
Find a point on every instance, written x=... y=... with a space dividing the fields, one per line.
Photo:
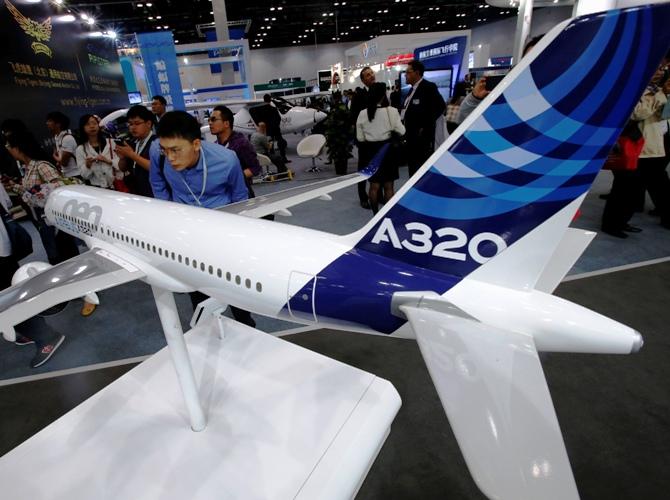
x=139 y=146
x=204 y=181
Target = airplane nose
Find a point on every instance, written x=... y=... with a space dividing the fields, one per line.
x=319 y=116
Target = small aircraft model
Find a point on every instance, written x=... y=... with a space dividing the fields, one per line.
x=294 y=119
x=463 y=258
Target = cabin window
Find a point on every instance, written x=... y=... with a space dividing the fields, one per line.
x=228 y=276
x=259 y=287
x=172 y=255
x=211 y=270
x=195 y=264
x=186 y=260
x=202 y=266
x=238 y=280
x=247 y=283
x=179 y=258
x=219 y=273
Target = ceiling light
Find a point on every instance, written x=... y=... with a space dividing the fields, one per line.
x=151 y=18
x=267 y=19
x=84 y=16
x=67 y=18
x=158 y=17
x=59 y=2
x=272 y=8
x=165 y=27
x=149 y=4
x=111 y=34
x=90 y=21
x=185 y=60
x=176 y=41
x=274 y=18
x=280 y=8
x=139 y=4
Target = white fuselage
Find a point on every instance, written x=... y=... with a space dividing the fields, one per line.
x=262 y=266
x=251 y=254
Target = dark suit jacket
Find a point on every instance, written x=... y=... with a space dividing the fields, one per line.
x=425 y=107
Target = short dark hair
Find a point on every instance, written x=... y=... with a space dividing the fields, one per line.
x=179 y=124
x=417 y=66
x=267 y=98
x=226 y=114
x=26 y=143
x=160 y=99
x=60 y=118
x=139 y=111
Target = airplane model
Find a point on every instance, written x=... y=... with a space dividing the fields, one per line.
x=294 y=118
x=464 y=257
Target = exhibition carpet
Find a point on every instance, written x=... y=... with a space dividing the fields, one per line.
x=614 y=411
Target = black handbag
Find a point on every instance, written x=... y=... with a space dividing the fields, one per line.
x=398 y=147
x=22 y=243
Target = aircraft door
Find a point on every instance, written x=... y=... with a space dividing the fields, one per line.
x=301 y=298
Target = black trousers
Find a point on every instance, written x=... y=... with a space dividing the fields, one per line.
x=419 y=150
x=281 y=143
x=654 y=179
x=621 y=202
x=362 y=186
x=239 y=314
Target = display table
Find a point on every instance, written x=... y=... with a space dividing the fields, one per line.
x=282 y=423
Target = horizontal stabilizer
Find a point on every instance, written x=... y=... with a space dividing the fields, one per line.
x=492 y=387
x=89 y=272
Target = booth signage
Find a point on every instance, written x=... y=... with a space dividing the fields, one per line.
x=280 y=86
x=444 y=54
x=396 y=59
x=49 y=65
x=160 y=64
x=451 y=48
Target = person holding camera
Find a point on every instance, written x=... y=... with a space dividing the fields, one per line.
x=95 y=155
x=423 y=106
x=134 y=160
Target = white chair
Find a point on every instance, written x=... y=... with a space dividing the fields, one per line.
x=311 y=147
x=264 y=162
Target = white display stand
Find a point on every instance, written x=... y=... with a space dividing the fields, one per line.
x=282 y=423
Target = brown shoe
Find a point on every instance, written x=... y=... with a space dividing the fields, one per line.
x=87 y=309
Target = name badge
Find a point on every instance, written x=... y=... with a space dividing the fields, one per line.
x=415 y=101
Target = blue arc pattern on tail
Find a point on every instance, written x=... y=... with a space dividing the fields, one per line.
x=523 y=158
x=531 y=152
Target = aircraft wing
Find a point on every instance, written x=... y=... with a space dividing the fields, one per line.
x=94 y=270
x=492 y=387
x=281 y=200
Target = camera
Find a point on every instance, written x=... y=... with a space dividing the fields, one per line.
x=492 y=81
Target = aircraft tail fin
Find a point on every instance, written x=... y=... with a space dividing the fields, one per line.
x=519 y=166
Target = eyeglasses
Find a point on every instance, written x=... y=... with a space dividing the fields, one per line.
x=176 y=151
x=212 y=119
